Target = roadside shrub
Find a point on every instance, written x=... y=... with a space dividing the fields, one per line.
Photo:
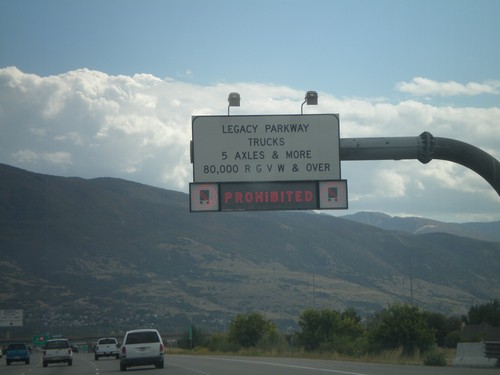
x=434 y=357
x=356 y=347
x=345 y=345
x=452 y=339
x=220 y=343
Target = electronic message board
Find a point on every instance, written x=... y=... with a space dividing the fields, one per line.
x=281 y=195
x=265 y=148
x=268 y=196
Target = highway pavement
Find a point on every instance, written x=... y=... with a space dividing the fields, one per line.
x=84 y=364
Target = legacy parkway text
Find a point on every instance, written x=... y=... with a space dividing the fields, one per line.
x=268 y=128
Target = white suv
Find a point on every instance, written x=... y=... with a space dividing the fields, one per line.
x=142 y=347
x=57 y=350
x=106 y=347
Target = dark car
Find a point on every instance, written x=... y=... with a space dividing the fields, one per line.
x=17 y=352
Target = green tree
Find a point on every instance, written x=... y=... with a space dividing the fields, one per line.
x=401 y=326
x=350 y=324
x=487 y=313
x=248 y=330
x=317 y=327
x=442 y=326
x=329 y=330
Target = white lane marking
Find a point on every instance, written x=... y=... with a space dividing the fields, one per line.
x=193 y=370
x=284 y=365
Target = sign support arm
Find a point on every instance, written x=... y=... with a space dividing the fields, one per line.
x=424 y=148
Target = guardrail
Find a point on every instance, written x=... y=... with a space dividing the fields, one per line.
x=492 y=349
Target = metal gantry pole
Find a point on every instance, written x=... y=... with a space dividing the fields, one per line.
x=424 y=148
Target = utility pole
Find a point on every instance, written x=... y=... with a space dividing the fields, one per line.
x=314 y=293
x=411 y=280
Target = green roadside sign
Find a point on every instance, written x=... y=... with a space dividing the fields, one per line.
x=40 y=340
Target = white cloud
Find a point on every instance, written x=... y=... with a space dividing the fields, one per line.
x=25 y=157
x=394 y=185
x=420 y=86
x=89 y=124
x=61 y=159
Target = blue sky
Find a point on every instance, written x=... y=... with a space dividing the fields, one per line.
x=348 y=48
x=125 y=77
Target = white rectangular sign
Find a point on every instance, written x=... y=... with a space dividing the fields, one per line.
x=11 y=318
x=265 y=148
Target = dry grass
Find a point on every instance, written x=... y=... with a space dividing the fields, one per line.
x=387 y=357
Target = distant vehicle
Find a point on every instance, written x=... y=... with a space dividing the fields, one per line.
x=74 y=348
x=107 y=347
x=56 y=351
x=17 y=352
x=142 y=347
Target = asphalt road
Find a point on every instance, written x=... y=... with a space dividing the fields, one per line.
x=84 y=364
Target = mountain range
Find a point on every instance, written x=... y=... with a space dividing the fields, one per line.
x=489 y=231
x=106 y=254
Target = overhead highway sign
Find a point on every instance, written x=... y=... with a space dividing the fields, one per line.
x=265 y=148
